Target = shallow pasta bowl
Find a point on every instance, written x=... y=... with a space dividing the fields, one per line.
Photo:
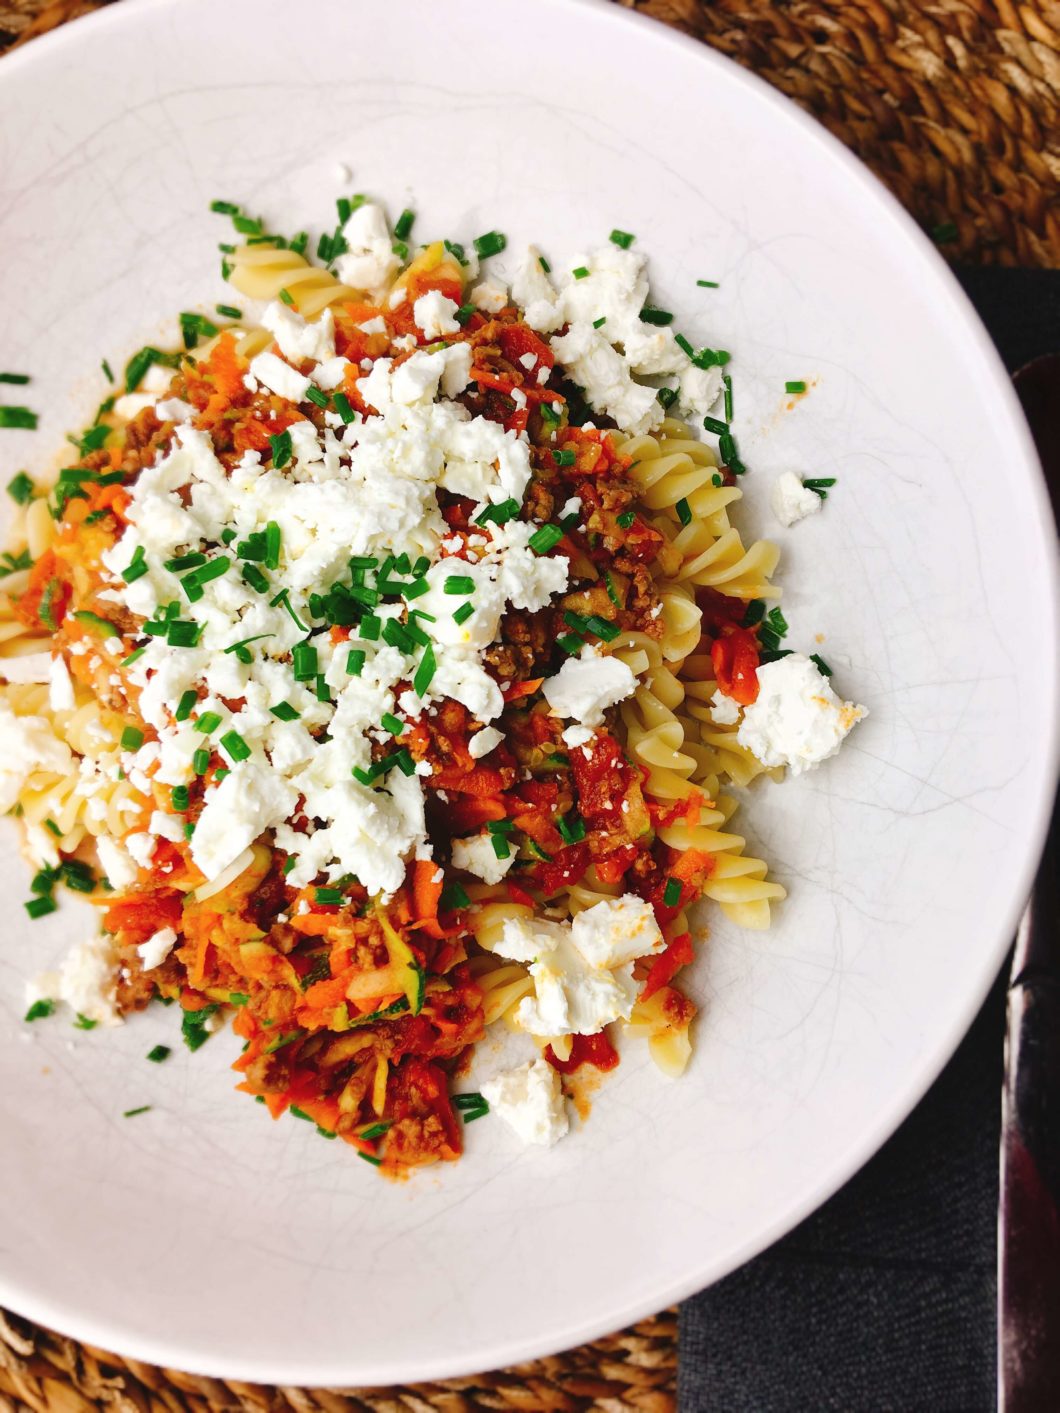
x=202 y=1236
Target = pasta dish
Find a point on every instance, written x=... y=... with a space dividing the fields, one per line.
x=379 y=668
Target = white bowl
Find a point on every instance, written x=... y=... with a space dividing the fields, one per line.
x=202 y=1236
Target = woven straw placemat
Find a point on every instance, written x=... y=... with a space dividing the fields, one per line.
x=955 y=104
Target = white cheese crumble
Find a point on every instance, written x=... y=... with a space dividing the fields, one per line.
x=369 y=263
x=530 y=1101
x=87 y=981
x=27 y=744
x=157 y=948
x=587 y=685
x=724 y=710
x=791 y=501
x=477 y=855
x=797 y=720
x=27 y=667
x=490 y=296
x=279 y=377
x=484 y=741
x=434 y=314
x=297 y=339
x=582 y=971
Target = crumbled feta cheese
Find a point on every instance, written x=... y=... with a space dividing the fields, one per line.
x=118 y=868
x=530 y=1100
x=249 y=800
x=791 y=501
x=279 y=377
x=577 y=736
x=797 y=720
x=490 y=296
x=586 y=686
x=478 y=856
x=87 y=981
x=130 y=405
x=141 y=847
x=434 y=314
x=723 y=710
x=698 y=390
x=484 y=741
x=582 y=971
x=297 y=339
x=602 y=371
x=369 y=262
x=157 y=948
x=174 y=409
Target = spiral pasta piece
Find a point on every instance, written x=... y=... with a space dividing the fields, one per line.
x=262 y=271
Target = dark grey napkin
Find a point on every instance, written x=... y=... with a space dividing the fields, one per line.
x=885 y=1298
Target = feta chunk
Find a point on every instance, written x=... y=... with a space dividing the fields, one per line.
x=477 y=855
x=157 y=948
x=723 y=710
x=249 y=800
x=484 y=741
x=586 y=686
x=491 y=296
x=791 y=501
x=530 y=1101
x=369 y=263
x=87 y=981
x=298 y=339
x=279 y=377
x=434 y=314
x=582 y=971
x=797 y=720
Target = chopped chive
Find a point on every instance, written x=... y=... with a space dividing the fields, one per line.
x=672 y=893
x=648 y=315
x=370 y=627
x=599 y=323
x=287 y=296
x=40 y=907
x=711 y=358
x=200 y=761
x=224 y=208
x=570 y=644
x=580 y=272
x=708 y=284
x=796 y=387
x=207 y=722
x=18 y=417
x=667 y=397
x=727 y=383
x=40 y=1009
x=819 y=483
x=53 y=828
x=683 y=344
x=184 y=561
x=137 y=566
x=611 y=592
x=330 y=896
x=463 y=613
x=549 y=414
x=229 y=311
x=403 y=224
x=498 y=514
x=453 y=898
x=316 y=396
x=252 y=575
x=132 y=738
x=281 y=449
x=426 y=670
x=822 y=666
x=571 y=827
x=622 y=238
x=283 y=597
x=492 y=243
x=459 y=584
x=19 y=379
x=684 y=511
x=754 y=613
x=245 y=225
x=20 y=489
x=131 y=1113
x=355 y=662
x=545 y=539
x=501 y=847
x=368 y=1158
x=284 y=711
x=304 y=659
x=464 y=314
x=602 y=628
x=179 y=796
x=343 y=408
x=236 y=747
x=159 y=1053
x=392 y=723
x=717 y=426
x=626 y=519
x=564 y=457
x=544 y=264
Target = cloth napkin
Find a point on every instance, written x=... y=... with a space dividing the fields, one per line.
x=885 y=1299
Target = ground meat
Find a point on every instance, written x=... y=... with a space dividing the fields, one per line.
x=269 y=1074
x=539 y=502
x=135 y=988
x=268 y=899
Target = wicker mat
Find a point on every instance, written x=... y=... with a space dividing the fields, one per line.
x=955 y=104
